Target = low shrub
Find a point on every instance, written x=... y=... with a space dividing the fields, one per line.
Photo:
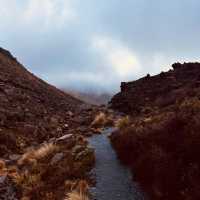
x=102 y=120
x=123 y=123
x=33 y=155
x=99 y=120
x=163 y=152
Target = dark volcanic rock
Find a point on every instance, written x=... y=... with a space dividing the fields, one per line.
x=158 y=91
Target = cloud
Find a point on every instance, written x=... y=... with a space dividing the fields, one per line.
x=48 y=12
x=98 y=44
x=43 y=15
x=122 y=59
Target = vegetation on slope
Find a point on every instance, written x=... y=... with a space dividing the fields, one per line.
x=42 y=129
x=161 y=142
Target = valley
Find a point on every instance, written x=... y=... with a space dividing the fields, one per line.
x=144 y=144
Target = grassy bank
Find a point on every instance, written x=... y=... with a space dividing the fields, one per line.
x=162 y=149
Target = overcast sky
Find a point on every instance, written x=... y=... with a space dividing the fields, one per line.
x=96 y=44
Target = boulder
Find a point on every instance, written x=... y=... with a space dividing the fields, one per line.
x=66 y=138
x=68 y=141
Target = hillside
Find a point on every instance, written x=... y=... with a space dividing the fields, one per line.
x=160 y=139
x=28 y=104
x=43 y=151
x=23 y=87
x=158 y=91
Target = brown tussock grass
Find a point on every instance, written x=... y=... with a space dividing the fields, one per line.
x=27 y=180
x=99 y=120
x=80 y=193
x=102 y=120
x=123 y=123
x=33 y=155
x=74 y=195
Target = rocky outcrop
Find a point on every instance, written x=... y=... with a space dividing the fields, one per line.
x=158 y=91
x=160 y=139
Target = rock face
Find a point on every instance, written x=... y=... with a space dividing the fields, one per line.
x=158 y=91
x=30 y=109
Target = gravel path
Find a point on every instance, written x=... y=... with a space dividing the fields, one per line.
x=114 y=181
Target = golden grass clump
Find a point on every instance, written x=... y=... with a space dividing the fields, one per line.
x=27 y=180
x=80 y=193
x=102 y=120
x=123 y=123
x=33 y=155
x=99 y=120
x=74 y=195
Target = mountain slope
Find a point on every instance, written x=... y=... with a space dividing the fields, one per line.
x=16 y=77
x=43 y=152
x=160 y=139
x=30 y=109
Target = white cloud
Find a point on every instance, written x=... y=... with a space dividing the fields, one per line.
x=39 y=14
x=49 y=12
x=160 y=62
x=122 y=59
x=57 y=34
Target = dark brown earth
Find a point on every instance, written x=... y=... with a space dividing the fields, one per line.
x=43 y=150
x=161 y=139
x=32 y=110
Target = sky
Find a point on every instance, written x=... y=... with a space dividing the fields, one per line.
x=96 y=44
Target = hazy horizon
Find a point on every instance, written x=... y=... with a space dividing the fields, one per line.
x=95 y=45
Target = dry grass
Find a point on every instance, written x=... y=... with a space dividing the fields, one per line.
x=99 y=120
x=36 y=162
x=76 y=196
x=167 y=145
x=33 y=155
x=27 y=180
x=35 y=177
x=102 y=120
x=80 y=193
x=123 y=123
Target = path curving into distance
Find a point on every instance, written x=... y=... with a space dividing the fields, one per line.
x=113 y=180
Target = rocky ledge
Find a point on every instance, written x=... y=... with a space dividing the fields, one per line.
x=163 y=90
